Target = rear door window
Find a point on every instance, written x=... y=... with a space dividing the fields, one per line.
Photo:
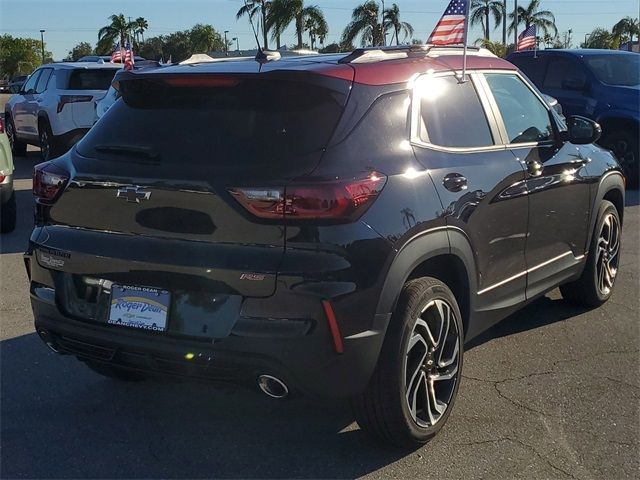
x=451 y=114
x=526 y=118
x=562 y=69
x=240 y=123
x=91 y=79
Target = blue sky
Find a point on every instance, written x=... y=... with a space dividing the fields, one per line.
x=68 y=22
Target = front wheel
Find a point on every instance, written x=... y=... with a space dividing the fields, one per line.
x=48 y=144
x=595 y=286
x=415 y=383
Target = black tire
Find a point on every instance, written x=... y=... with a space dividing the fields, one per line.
x=114 y=372
x=18 y=148
x=590 y=290
x=8 y=215
x=625 y=146
x=49 y=148
x=405 y=369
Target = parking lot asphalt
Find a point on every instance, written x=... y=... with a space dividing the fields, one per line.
x=551 y=392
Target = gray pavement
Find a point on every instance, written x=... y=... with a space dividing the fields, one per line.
x=551 y=392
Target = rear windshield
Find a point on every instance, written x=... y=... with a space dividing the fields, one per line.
x=615 y=69
x=249 y=122
x=97 y=79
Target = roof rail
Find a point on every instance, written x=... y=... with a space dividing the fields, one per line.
x=377 y=54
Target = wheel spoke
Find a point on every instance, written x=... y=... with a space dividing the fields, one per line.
x=454 y=355
x=439 y=406
x=445 y=374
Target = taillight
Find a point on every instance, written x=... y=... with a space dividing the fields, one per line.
x=342 y=200
x=64 y=99
x=48 y=181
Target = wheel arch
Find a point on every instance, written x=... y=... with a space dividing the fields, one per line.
x=443 y=253
x=612 y=189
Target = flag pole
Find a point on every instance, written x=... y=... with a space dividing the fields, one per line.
x=466 y=35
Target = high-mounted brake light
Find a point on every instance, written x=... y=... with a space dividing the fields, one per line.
x=48 y=181
x=201 y=81
x=341 y=200
x=64 y=99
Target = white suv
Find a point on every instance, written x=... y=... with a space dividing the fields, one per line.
x=55 y=107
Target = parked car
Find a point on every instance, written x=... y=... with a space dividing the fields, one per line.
x=105 y=58
x=4 y=86
x=15 y=85
x=55 y=107
x=7 y=195
x=603 y=85
x=335 y=225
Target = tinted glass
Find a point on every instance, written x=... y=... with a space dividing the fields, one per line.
x=621 y=69
x=98 y=79
x=525 y=117
x=563 y=68
x=533 y=68
x=452 y=114
x=253 y=122
x=31 y=83
x=43 y=80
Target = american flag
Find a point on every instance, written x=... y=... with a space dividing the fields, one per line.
x=450 y=28
x=527 y=39
x=128 y=57
x=116 y=56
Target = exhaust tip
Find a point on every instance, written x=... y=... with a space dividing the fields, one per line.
x=272 y=386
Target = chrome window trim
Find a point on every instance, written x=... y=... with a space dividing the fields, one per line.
x=417 y=127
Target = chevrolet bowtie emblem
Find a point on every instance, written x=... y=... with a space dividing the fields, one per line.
x=133 y=194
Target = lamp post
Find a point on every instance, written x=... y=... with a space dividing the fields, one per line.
x=226 y=46
x=237 y=43
x=515 y=30
x=42 y=43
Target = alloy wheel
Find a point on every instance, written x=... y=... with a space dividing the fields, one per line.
x=431 y=363
x=607 y=254
x=45 y=148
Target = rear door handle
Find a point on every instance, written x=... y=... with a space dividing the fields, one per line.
x=534 y=168
x=454 y=182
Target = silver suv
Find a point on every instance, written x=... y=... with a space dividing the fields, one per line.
x=55 y=107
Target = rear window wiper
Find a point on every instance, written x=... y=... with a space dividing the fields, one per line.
x=133 y=150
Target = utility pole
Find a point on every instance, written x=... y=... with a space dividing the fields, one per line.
x=515 y=30
x=42 y=43
x=504 y=22
x=226 y=45
x=569 y=43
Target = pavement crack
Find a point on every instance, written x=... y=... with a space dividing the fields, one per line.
x=542 y=457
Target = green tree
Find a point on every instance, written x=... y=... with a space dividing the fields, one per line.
x=152 y=48
x=283 y=12
x=257 y=7
x=532 y=15
x=391 y=21
x=497 y=48
x=80 y=50
x=601 y=38
x=625 y=29
x=20 y=55
x=141 y=25
x=117 y=31
x=205 y=39
x=177 y=45
x=365 y=24
x=483 y=10
x=317 y=28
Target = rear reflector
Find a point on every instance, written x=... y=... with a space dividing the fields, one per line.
x=342 y=200
x=333 y=326
x=64 y=99
x=48 y=181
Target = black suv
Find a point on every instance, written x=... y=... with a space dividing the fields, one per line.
x=337 y=225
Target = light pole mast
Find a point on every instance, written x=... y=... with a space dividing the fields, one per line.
x=42 y=43
x=515 y=30
x=226 y=46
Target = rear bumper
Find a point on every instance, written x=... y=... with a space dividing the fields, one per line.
x=302 y=354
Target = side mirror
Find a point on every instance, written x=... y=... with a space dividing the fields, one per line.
x=574 y=83
x=581 y=130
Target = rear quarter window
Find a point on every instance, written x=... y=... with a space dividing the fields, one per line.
x=86 y=79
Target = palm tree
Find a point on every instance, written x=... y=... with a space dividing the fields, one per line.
x=141 y=26
x=483 y=10
x=364 y=23
x=252 y=8
x=626 y=28
x=118 y=30
x=543 y=19
x=283 y=12
x=317 y=27
x=391 y=20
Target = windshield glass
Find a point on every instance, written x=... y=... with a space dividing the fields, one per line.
x=621 y=70
x=252 y=122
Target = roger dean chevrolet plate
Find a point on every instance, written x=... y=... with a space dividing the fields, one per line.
x=139 y=307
